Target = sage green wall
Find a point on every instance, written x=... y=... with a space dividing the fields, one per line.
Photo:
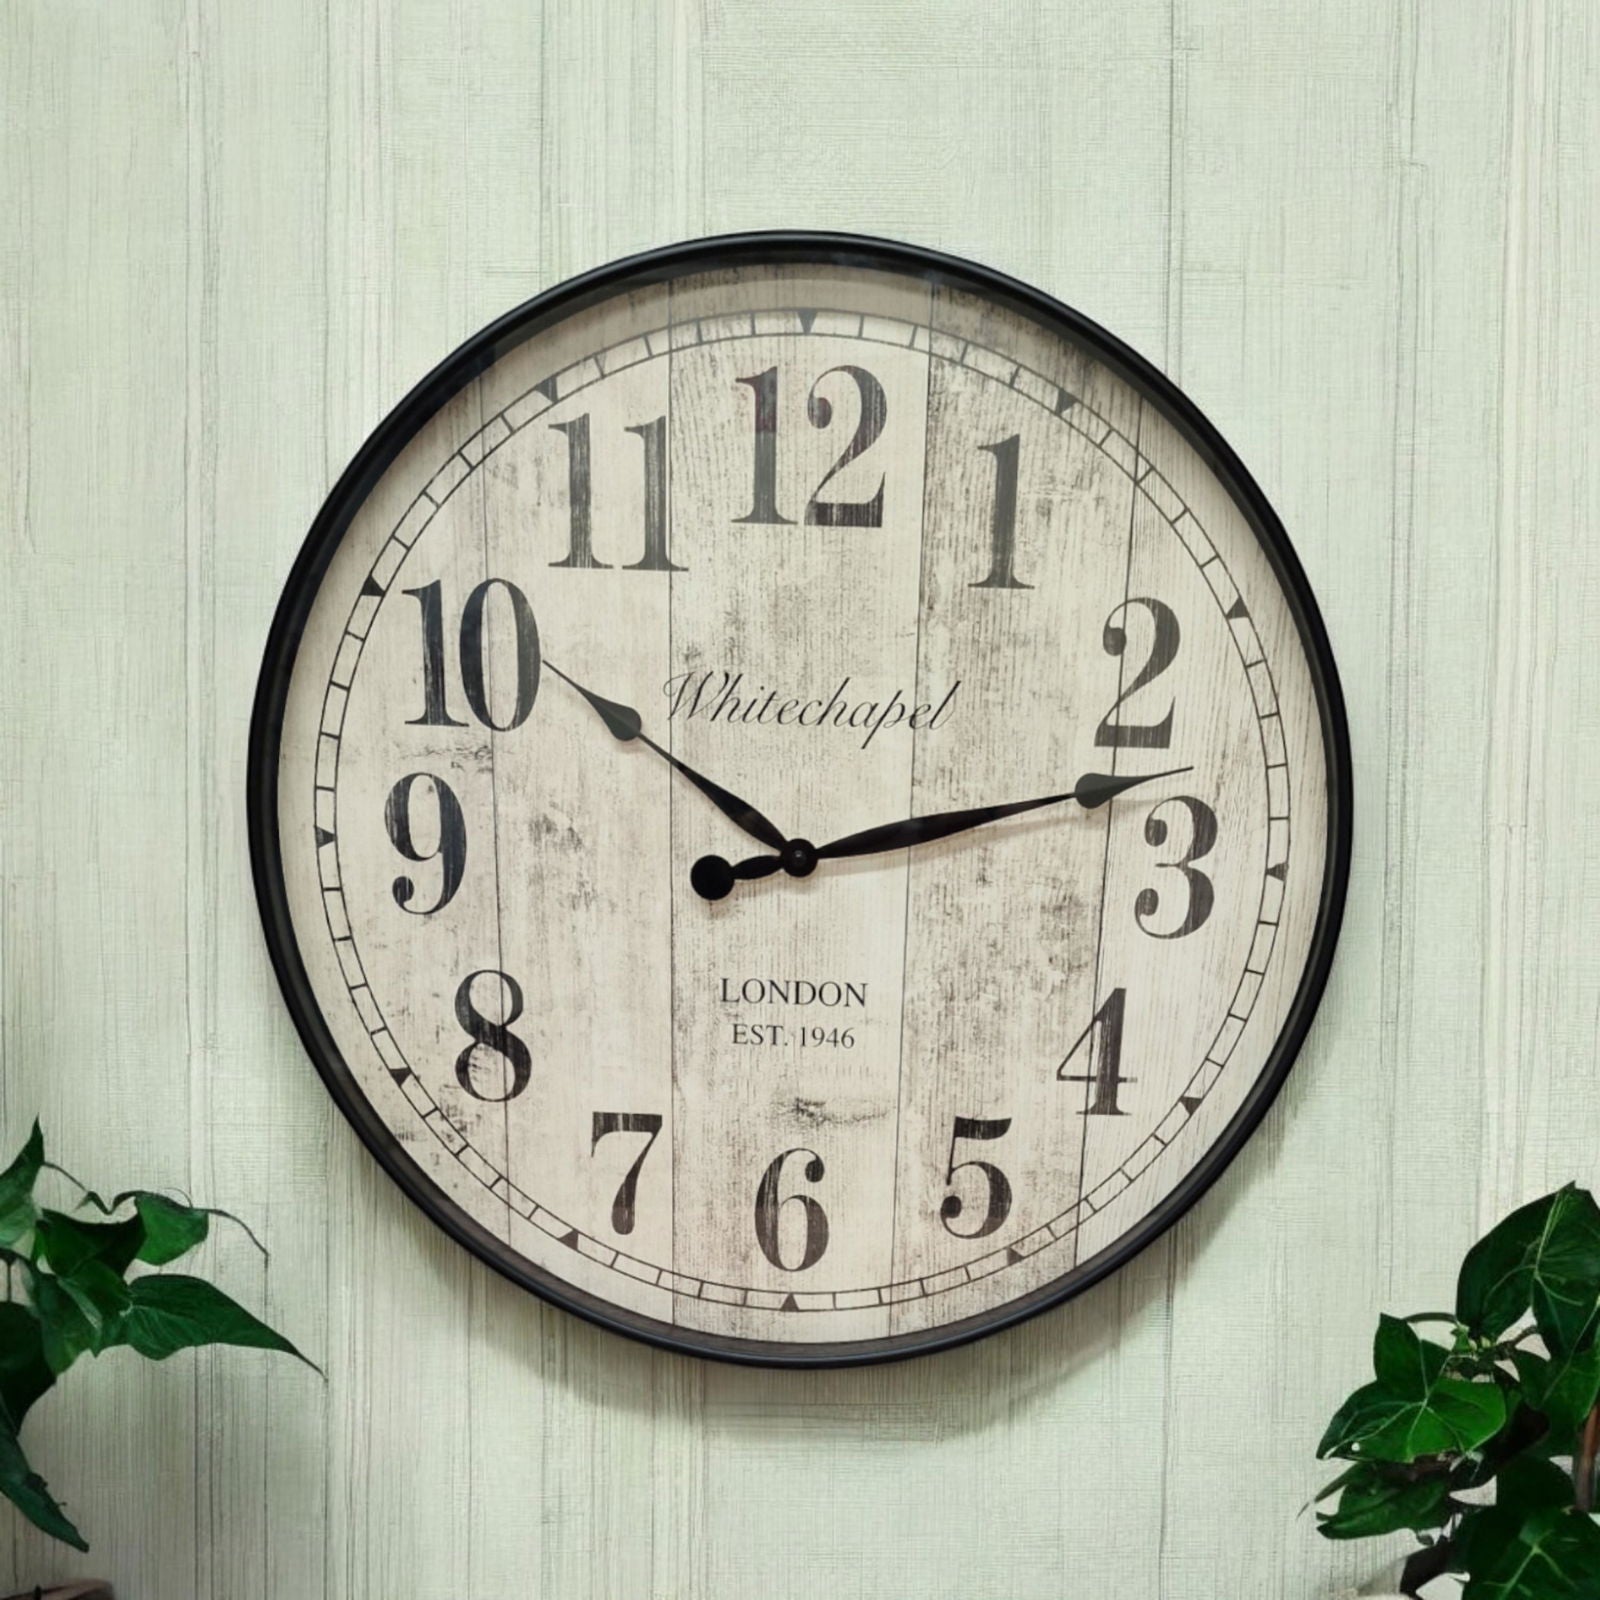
x=1361 y=233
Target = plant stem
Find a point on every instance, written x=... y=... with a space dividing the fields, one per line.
x=1583 y=1462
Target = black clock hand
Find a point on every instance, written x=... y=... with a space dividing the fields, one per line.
x=713 y=877
x=626 y=725
x=1091 y=790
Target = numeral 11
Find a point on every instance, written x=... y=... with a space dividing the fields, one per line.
x=580 y=490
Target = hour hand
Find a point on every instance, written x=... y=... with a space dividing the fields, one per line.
x=626 y=726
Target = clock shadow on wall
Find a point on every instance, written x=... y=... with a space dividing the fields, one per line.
x=800 y=800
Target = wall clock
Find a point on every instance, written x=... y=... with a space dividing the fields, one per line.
x=800 y=799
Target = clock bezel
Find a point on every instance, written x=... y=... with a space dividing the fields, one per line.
x=371 y=461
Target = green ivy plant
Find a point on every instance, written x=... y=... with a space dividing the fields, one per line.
x=69 y=1294
x=1508 y=1405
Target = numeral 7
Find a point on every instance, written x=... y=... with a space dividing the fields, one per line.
x=622 y=1208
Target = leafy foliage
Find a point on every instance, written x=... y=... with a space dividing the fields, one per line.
x=70 y=1295
x=1440 y=1421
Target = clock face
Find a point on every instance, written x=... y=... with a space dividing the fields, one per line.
x=588 y=745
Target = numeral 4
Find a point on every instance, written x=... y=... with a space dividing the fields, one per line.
x=1101 y=1043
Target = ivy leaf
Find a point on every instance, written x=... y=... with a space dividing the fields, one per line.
x=1379 y=1499
x=1548 y=1553
x=17 y=1210
x=1545 y=1257
x=171 y=1312
x=1400 y=1355
x=67 y=1244
x=1413 y=1409
x=1565 y=1388
x=31 y=1495
x=102 y=1297
x=24 y=1372
x=64 y=1331
x=167 y=1222
x=170 y=1229
x=1531 y=1485
x=1527 y=1431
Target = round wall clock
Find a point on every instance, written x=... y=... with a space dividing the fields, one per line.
x=800 y=799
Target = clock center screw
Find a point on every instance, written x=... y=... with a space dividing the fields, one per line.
x=799 y=858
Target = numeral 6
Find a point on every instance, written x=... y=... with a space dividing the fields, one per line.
x=770 y=1202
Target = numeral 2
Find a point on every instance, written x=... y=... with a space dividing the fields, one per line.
x=1121 y=735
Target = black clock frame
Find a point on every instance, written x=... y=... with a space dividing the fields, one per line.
x=357 y=481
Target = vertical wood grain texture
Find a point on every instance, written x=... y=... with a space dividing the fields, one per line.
x=1361 y=233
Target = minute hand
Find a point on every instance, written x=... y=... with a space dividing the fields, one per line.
x=1091 y=790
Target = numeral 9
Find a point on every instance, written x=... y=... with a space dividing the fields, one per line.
x=450 y=852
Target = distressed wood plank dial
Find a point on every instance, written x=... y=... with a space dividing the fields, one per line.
x=587 y=753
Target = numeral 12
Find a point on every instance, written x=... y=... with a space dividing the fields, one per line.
x=820 y=513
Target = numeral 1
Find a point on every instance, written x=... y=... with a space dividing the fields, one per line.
x=1003 y=521
x=764 y=471
x=580 y=490
x=653 y=436
x=435 y=712
x=1104 y=1038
